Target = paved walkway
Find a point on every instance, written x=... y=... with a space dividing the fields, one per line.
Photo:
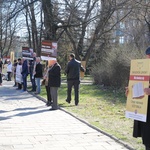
x=27 y=124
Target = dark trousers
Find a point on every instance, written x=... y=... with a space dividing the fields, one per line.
x=19 y=85
x=24 y=77
x=75 y=84
x=15 y=79
x=147 y=148
x=32 y=79
x=48 y=94
x=54 y=95
x=9 y=76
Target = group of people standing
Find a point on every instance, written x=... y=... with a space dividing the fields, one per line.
x=51 y=77
x=25 y=67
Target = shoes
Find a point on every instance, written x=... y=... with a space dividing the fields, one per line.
x=23 y=90
x=36 y=93
x=18 y=89
x=48 y=103
x=67 y=101
x=76 y=103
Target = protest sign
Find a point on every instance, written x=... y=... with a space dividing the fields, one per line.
x=136 y=106
x=48 y=50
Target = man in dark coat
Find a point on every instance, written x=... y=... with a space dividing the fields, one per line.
x=32 y=64
x=24 y=73
x=54 y=82
x=73 y=78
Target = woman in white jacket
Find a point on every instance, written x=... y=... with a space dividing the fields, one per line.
x=9 y=69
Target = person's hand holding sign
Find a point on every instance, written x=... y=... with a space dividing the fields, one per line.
x=147 y=91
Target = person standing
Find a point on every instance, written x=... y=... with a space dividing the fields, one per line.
x=142 y=129
x=24 y=73
x=9 y=70
x=18 y=74
x=32 y=64
x=1 y=67
x=45 y=80
x=73 y=78
x=38 y=74
x=14 y=72
x=54 y=81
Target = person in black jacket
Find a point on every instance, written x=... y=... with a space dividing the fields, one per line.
x=1 y=67
x=73 y=78
x=38 y=74
x=54 y=81
x=24 y=73
x=32 y=64
x=142 y=129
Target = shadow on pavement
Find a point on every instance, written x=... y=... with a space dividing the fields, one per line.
x=29 y=113
x=3 y=111
x=15 y=97
x=26 y=108
x=4 y=118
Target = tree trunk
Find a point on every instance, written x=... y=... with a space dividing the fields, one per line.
x=50 y=26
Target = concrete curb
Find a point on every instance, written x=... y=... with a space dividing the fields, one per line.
x=87 y=123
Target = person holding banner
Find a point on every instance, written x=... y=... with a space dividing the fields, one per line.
x=142 y=129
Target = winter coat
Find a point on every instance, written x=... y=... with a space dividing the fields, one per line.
x=38 y=71
x=73 y=70
x=54 y=79
x=25 y=68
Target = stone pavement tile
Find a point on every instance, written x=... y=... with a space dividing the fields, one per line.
x=23 y=146
x=6 y=147
x=27 y=124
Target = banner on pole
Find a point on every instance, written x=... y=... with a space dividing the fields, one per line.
x=27 y=53
x=48 y=50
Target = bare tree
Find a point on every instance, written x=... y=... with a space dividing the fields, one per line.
x=96 y=15
x=8 y=28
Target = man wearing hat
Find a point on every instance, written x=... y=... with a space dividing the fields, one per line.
x=147 y=52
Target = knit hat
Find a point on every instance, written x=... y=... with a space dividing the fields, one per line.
x=147 y=52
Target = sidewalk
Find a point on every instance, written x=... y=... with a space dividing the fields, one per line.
x=27 y=124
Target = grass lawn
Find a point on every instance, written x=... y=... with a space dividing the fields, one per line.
x=103 y=109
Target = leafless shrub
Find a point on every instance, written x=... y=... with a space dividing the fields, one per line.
x=115 y=69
